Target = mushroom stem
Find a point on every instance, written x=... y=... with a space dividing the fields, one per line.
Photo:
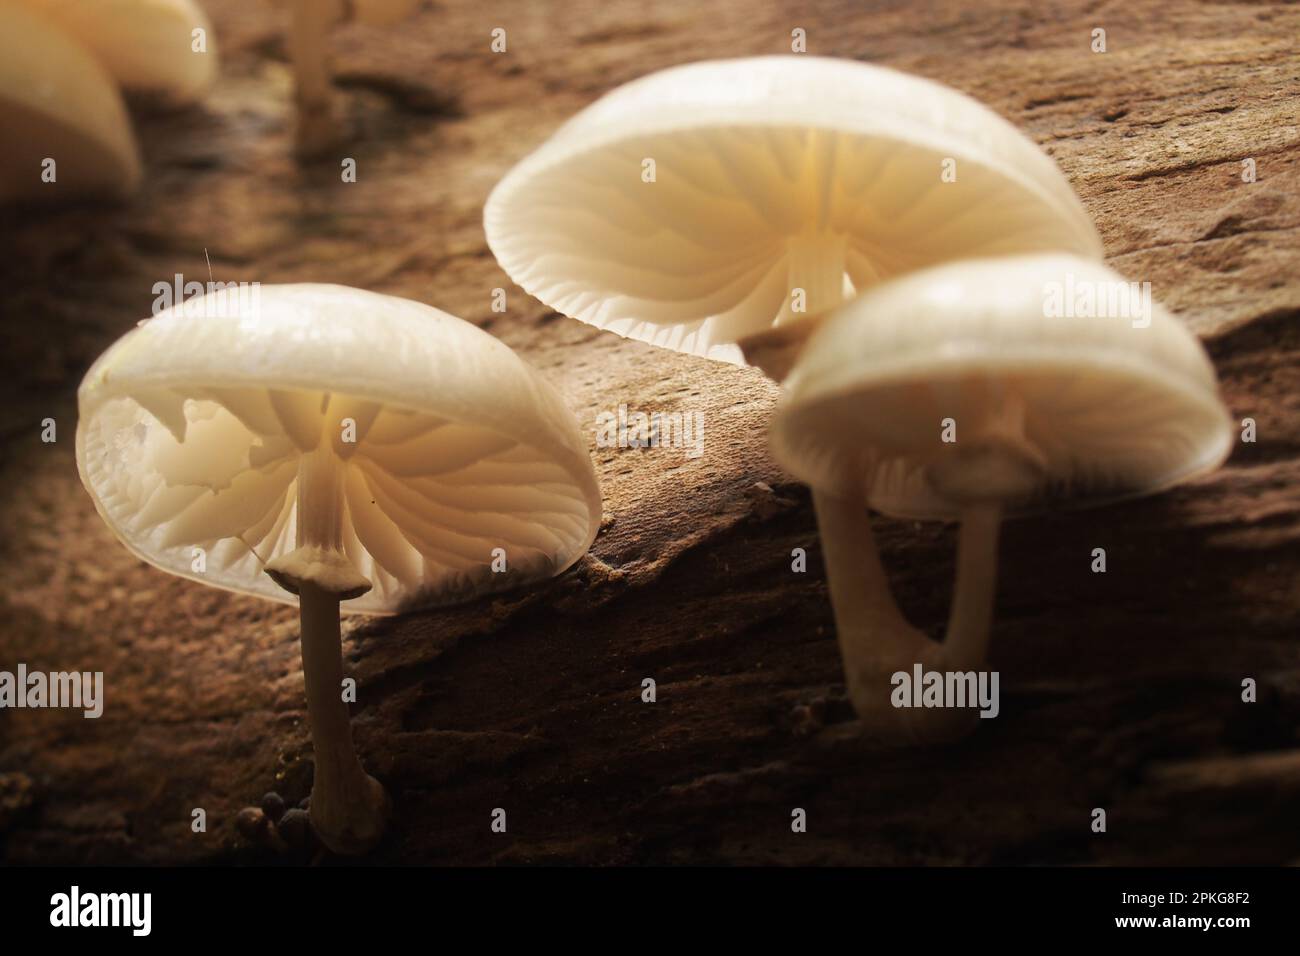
x=815 y=264
x=965 y=646
x=874 y=636
x=317 y=130
x=349 y=808
x=876 y=641
x=320 y=499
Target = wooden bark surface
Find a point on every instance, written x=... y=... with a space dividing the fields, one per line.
x=1119 y=690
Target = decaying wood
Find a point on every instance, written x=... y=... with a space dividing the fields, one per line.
x=1120 y=690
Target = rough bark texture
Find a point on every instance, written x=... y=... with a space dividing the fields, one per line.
x=1120 y=690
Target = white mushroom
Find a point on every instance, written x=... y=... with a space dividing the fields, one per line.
x=1052 y=402
x=147 y=46
x=356 y=448
x=57 y=103
x=686 y=208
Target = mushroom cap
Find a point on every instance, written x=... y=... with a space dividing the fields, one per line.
x=1110 y=410
x=58 y=102
x=750 y=154
x=145 y=45
x=192 y=426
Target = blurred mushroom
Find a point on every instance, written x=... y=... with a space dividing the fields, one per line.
x=58 y=103
x=273 y=806
x=257 y=828
x=683 y=209
x=356 y=448
x=145 y=45
x=318 y=130
x=295 y=828
x=1048 y=411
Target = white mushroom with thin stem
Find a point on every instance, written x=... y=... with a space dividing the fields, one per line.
x=147 y=46
x=66 y=131
x=722 y=208
x=324 y=445
x=318 y=130
x=1051 y=401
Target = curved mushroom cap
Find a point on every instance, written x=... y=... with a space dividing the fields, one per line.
x=57 y=102
x=1104 y=407
x=761 y=164
x=146 y=45
x=193 y=424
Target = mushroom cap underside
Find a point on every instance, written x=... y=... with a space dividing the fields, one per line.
x=57 y=102
x=755 y=161
x=1109 y=406
x=192 y=427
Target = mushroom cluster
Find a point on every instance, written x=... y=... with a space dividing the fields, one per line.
x=63 y=67
x=1039 y=411
x=337 y=449
x=730 y=209
x=882 y=244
